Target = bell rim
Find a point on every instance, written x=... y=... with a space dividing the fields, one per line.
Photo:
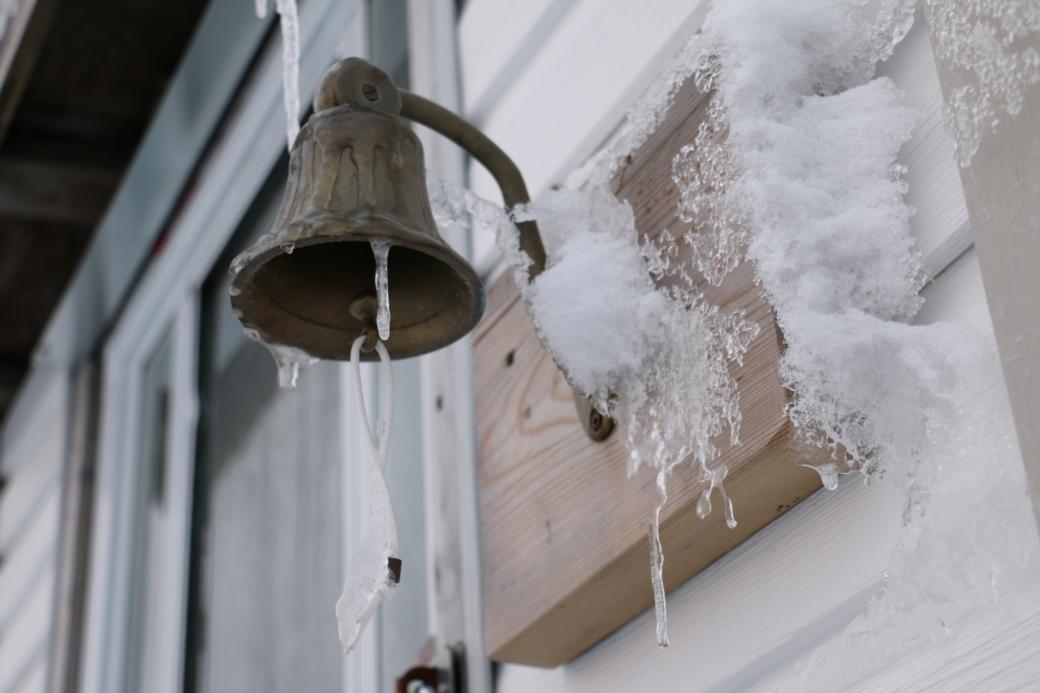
x=243 y=290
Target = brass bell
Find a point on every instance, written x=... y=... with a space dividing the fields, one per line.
x=356 y=177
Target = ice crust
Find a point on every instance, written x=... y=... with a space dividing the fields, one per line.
x=985 y=46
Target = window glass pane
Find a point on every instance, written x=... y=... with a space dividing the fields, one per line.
x=267 y=546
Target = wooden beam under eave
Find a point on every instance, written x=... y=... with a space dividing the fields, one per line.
x=20 y=46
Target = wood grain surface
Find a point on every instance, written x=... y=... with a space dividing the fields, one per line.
x=564 y=528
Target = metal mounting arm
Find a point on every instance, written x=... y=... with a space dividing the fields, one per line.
x=498 y=164
x=514 y=192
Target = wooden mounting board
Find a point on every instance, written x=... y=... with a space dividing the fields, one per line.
x=566 y=556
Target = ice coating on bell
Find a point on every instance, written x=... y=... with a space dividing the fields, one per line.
x=381 y=251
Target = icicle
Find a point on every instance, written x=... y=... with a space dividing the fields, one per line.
x=371 y=579
x=704 y=504
x=381 y=250
x=289 y=361
x=657 y=561
x=727 y=506
x=715 y=478
x=288 y=19
x=828 y=474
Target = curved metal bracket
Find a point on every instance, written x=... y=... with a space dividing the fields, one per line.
x=498 y=164
x=597 y=426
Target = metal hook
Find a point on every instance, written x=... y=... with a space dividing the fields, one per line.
x=363 y=309
x=371 y=336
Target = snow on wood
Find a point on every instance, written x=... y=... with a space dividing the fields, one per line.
x=564 y=526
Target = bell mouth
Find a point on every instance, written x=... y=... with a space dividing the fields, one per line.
x=301 y=295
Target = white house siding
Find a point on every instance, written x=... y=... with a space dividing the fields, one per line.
x=30 y=521
x=549 y=80
x=566 y=82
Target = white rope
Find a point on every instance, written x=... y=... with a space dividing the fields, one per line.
x=369 y=580
x=386 y=400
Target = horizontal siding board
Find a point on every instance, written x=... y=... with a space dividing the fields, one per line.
x=741 y=609
x=497 y=39
x=940 y=224
x=26 y=638
x=28 y=491
x=555 y=113
x=33 y=556
x=995 y=649
x=599 y=58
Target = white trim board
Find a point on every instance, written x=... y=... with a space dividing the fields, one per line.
x=1002 y=188
x=447 y=392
